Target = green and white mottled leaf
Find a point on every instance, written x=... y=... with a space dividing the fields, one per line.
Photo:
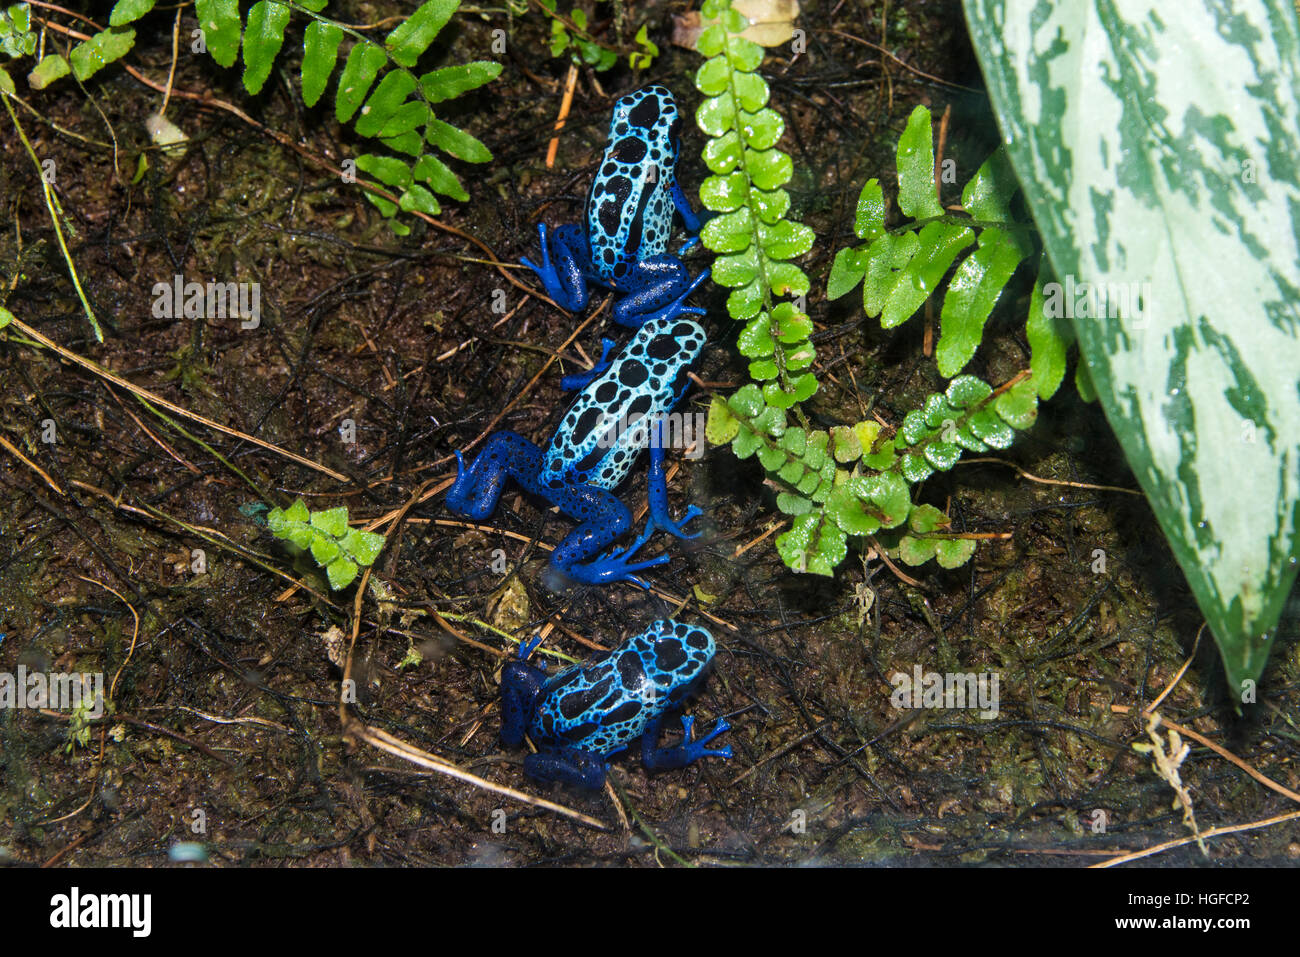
x=1156 y=144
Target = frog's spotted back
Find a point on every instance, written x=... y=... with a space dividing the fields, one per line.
x=609 y=701
x=630 y=211
x=596 y=442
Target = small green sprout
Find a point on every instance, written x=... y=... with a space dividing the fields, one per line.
x=336 y=547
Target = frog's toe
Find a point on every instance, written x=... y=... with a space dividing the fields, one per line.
x=697 y=749
x=678 y=528
x=458 y=494
x=615 y=567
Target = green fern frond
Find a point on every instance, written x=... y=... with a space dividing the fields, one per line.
x=852 y=480
x=377 y=89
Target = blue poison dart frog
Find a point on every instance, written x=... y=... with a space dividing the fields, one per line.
x=629 y=220
x=582 y=715
x=592 y=452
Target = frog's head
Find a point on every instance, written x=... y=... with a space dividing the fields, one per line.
x=675 y=656
x=650 y=115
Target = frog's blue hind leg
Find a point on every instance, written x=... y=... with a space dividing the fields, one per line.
x=580 y=380
x=663 y=759
x=572 y=766
x=657 y=288
x=478 y=487
x=564 y=279
x=604 y=518
x=658 y=492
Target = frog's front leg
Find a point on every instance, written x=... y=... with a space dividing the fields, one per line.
x=656 y=758
x=565 y=279
x=571 y=766
x=658 y=487
x=580 y=380
x=692 y=220
x=656 y=288
x=604 y=518
x=478 y=488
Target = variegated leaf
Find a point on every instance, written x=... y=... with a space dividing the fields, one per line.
x=1156 y=142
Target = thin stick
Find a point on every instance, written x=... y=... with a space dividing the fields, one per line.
x=13 y=450
x=1213 y=832
x=1222 y=752
x=171 y=74
x=566 y=102
x=1178 y=677
x=171 y=406
x=1034 y=478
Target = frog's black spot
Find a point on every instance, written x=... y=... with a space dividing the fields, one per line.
x=591 y=460
x=621 y=187
x=633 y=373
x=697 y=638
x=682 y=379
x=620 y=129
x=579 y=731
x=684 y=330
x=630 y=150
x=669 y=654
x=548 y=723
x=630 y=670
x=633 y=236
x=620 y=270
x=609 y=255
x=564 y=679
x=662 y=347
x=579 y=700
x=624 y=712
x=607 y=214
x=638 y=408
x=587 y=422
x=645 y=113
x=609 y=169
x=605 y=392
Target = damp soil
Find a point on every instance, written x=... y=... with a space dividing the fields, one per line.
x=131 y=545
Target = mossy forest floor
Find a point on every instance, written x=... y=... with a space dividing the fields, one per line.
x=226 y=727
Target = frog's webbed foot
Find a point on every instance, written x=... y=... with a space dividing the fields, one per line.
x=687 y=752
x=659 y=278
x=580 y=380
x=662 y=521
x=563 y=279
x=617 y=565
